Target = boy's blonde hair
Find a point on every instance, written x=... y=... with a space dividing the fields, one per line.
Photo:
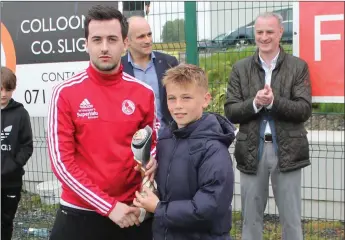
x=186 y=74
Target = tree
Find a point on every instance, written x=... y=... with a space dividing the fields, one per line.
x=173 y=31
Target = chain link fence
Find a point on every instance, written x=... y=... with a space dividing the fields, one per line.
x=215 y=35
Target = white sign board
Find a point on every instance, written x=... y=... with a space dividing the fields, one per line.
x=43 y=43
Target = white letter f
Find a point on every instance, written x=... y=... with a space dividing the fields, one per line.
x=319 y=37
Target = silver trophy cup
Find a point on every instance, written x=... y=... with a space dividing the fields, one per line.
x=141 y=148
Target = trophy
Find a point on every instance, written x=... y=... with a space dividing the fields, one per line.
x=141 y=148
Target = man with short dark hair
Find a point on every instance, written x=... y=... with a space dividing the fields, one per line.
x=269 y=95
x=92 y=118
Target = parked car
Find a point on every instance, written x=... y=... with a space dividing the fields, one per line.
x=216 y=43
x=245 y=34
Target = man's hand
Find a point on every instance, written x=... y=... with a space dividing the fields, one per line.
x=151 y=168
x=268 y=95
x=149 y=202
x=125 y=216
x=259 y=98
x=264 y=97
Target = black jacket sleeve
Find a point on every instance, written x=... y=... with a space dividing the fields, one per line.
x=175 y=62
x=25 y=140
x=298 y=108
x=236 y=108
x=172 y=61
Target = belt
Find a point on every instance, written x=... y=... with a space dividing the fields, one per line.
x=268 y=138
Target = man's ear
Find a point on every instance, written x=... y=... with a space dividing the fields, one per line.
x=126 y=43
x=281 y=32
x=86 y=46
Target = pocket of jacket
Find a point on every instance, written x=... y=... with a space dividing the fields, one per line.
x=241 y=147
x=298 y=145
x=8 y=166
x=297 y=133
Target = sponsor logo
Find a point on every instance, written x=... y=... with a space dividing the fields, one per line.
x=86 y=110
x=86 y=104
x=4 y=134
x=128 y=107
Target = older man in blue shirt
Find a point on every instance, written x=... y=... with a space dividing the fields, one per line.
x=147 y=65
x=149 y=76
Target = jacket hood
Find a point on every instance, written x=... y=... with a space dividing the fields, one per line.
x=12 y=104
x=211 y=126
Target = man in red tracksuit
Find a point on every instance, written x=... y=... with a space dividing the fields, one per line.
x=92 y=118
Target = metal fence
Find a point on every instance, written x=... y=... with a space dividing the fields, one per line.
x=213 y=38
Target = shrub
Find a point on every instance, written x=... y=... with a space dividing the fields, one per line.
x=329 y=107
x=218 y=67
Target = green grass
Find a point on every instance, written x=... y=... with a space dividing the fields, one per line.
x=218 y=67
x=313 y=230
x=328 y=107
x=33 y=201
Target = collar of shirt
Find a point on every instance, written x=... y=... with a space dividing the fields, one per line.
x=130 y=60
x=273 y=63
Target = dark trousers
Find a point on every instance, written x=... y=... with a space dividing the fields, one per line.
x=10 y=198
x=71 y=224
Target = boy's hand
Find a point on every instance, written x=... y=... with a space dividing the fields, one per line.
x=151 y=168
x=149 y=202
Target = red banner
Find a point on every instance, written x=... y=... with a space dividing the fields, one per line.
x=319 y=40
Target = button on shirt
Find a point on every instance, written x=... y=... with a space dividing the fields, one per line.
x=268 y=75
x=149 y=76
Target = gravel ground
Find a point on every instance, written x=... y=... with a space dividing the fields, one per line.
x=332 y=122
x=32 y=214
x=313 y=230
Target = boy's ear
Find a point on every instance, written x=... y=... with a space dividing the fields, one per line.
x=207 y=99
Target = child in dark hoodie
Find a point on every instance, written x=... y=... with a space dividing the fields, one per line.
x=16 y=149
x=195 y=175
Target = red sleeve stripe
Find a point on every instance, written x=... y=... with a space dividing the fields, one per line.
x=58 y=164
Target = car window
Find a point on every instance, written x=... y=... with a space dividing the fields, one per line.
x=227 y=37
x=289 y=14
x=220 y=37
x=282 y=13
x=251 y=23
x=285 y=13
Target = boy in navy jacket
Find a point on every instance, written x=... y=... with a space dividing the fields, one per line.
x=195 y=176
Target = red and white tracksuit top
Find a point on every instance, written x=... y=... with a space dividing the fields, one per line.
x=92 y=118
